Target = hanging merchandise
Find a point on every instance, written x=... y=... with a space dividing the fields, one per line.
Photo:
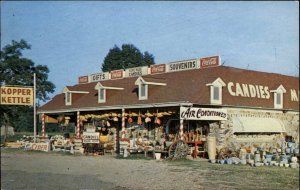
x=107 y=123
x=147 y=120
x=129 y=120
x=134 y=114
x=116 y=119
x=139 y=122
x=148 y=114
x=158 y=121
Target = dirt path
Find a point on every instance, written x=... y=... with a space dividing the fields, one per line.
x=33 y=170
x=55 y=171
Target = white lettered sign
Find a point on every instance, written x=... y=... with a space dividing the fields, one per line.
x=183 y=65
x=37 y=146
x=99 y=77
x=190 y=113
x=136 y=71
x=90 y=137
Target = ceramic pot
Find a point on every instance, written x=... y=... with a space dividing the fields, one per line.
x=294 y=159
x=257 y=164
x=268 y=157
x=283 y=158
x=222 y=161
x=296 y=151
x=290 y=144
x=157 y=156
x=257 y=158
x=286 y=165
x=251 y=162
x=243 y=162
x=288 y=150
x=229 y=161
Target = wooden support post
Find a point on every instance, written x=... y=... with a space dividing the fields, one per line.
x=123 y=123
x=78 y=125
x=181 y=130
x=43 y=125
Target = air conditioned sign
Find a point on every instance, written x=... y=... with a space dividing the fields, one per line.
x=183 y=65
x=190 y=113
x=90 y=137
x=99 y=77
x=136 y=71
x=16 y=95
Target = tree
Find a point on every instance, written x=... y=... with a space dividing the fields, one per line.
x=17 y=70
x=126 y=57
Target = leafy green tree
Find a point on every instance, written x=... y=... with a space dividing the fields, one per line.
x=127 y=56
x=17 y=70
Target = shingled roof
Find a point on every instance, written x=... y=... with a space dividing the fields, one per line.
x=184 y=86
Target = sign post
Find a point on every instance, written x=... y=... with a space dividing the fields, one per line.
x=34 y=107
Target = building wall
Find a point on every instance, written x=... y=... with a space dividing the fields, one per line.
x=227 y=139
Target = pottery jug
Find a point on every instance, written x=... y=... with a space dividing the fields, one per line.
x=294 y=159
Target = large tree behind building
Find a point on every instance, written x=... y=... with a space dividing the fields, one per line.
x=18 y=70
x=127 y=56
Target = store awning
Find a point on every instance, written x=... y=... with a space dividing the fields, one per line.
x=257 y=125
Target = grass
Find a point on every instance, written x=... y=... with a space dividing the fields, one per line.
x=136 y=156
x=241 y=176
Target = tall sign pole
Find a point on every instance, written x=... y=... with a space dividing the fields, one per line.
x=34 y=107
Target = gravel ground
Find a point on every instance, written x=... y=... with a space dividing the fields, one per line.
x=57 y=171
x=36 y=170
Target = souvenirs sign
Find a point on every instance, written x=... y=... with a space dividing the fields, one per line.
x=88 y=137
x=99 y=77
x=182 y=65
x=190 y=113
x=136 y=71
x=16 y=95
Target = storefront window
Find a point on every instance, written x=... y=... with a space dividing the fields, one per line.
x=278 y=100
x=101 y=95
x=68 y=98
x=278 y=97
x=143 y=92
x=216 y=93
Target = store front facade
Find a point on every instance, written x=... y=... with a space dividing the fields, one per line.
x=188 y=100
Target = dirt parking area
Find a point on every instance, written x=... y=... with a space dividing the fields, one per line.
x=35 y=170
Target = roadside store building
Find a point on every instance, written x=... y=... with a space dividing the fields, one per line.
x=241 y=108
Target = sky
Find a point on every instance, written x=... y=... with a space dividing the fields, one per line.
x=72 y=37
